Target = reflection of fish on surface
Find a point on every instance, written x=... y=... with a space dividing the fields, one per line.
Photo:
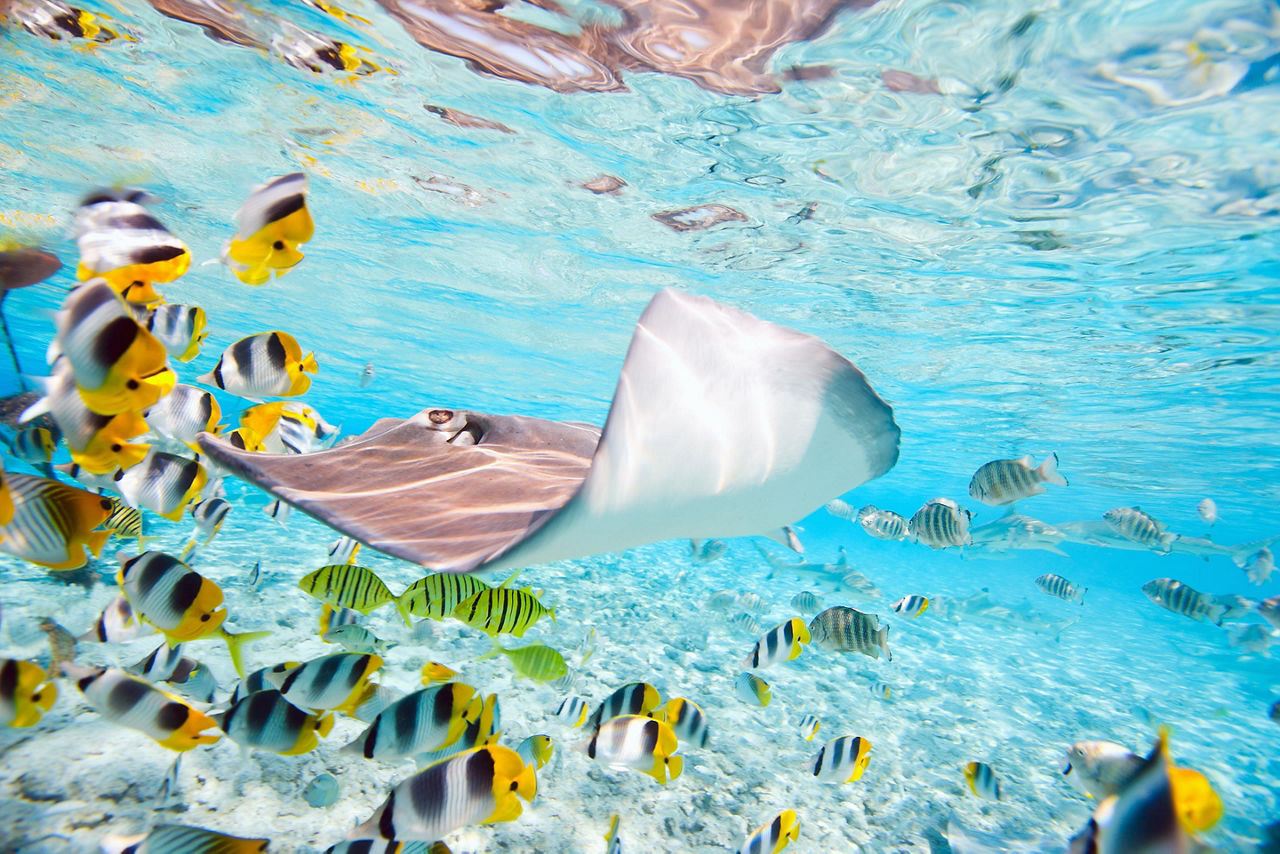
x=640 y=482
x=235 y=23
x=721 y=46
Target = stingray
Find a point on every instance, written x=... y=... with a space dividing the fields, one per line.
x=721 y=425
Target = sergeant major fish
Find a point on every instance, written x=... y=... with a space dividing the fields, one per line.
x=1187 y=601
x=1056 y=585
x=1006 y=481
x=940 y=524
x=1133 y=524
x=882 y=524
x=843 y=629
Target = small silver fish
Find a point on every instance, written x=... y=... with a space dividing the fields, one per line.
x=366 y=375
x=279 y=511
x=1207 y=510
x=355 y=638
x=882 y=524
x=255 y=576
x=1260 y=566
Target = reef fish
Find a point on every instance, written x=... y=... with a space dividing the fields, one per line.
x=781 y=643
x=1139 y=527
x=25 y=694
x=844 y=629
x=1056 y=585
x=476 y=786
x=940 y=524
x=269 y=364
x=52 y=523
x=774 y=835
x=134 y=702
x=982 y=780
x=424 y=720
x=265 y=720
x=270 y=225
x=120 y=241
x=841 y=760
x=1006 y=481
x=638 y=742
x=1180 y=599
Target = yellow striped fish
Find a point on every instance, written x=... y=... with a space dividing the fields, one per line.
x=536 y=661
x=501 y=610
x=124 y=521
x=436 y=595
x=177 y=837
x=345 y=585
x=53 y=524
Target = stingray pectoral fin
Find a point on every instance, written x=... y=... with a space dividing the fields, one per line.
x=448 y=489
x=722 y=425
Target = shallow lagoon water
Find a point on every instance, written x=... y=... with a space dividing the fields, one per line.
x=1069 y=247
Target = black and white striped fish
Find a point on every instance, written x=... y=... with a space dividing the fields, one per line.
x=844 y=629
x=940 y=523
x=162 y=483
x=343 y=550
x=635 y=698
x=258 y=680
x=882 y=524
x=209 y=515
x=118 y=623
x=279 y=510
x=184 y=413
x=841 y=760
x=781 y=643
x=180 y=328
x=1056 y=585
x=637 y=742
x=421 y=721
x=185 y=675
x=687 y=721
x=338 y=681
x=774 y=835
x=1006 y=481
x=1181 y=599
x=573 y=711
x=809 y=726
x=1133 y=524
x=265 y=720
x=134 y=702
x=982 y=780
x=473 y=787
x=124 y=244
x=269 y=364
x=912 y=605
x=99 y=444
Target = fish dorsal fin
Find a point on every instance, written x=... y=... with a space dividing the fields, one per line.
x=721 y=425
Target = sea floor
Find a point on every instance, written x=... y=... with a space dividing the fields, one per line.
x=1012 y=689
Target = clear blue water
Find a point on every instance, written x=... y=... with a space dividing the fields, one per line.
x=1070 y=247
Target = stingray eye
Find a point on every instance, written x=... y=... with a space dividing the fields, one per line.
x=440 y=416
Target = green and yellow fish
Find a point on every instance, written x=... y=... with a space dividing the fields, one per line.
x=501 y=610
x=536 y=661
x=345 y=585
x=436 y=595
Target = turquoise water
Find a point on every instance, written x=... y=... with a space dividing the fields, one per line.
x=1069 y=246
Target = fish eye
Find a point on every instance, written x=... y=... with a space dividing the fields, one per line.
x=106 y=505
x=514 y=785
x=132 y=384
x=204 y=618
x=116 y=448
x=278 y=245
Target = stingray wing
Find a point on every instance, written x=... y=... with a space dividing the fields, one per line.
x=448 y=489
x=722 y=425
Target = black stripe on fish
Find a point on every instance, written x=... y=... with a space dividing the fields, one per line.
x=9 y=679
x=276 y=355
x=282 y=208
x=156 y=254
x=126 y=694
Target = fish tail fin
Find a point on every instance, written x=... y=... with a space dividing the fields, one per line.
x=495 y=650
x=1216 y=613
x=1083 y=591
x=187 y=549
x=551 y=612
x=402 y=605
x=324 y=725
x=235 y=644
x=674 y=766
x=1048 y=471
x=882 y=639
x=309 y=363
